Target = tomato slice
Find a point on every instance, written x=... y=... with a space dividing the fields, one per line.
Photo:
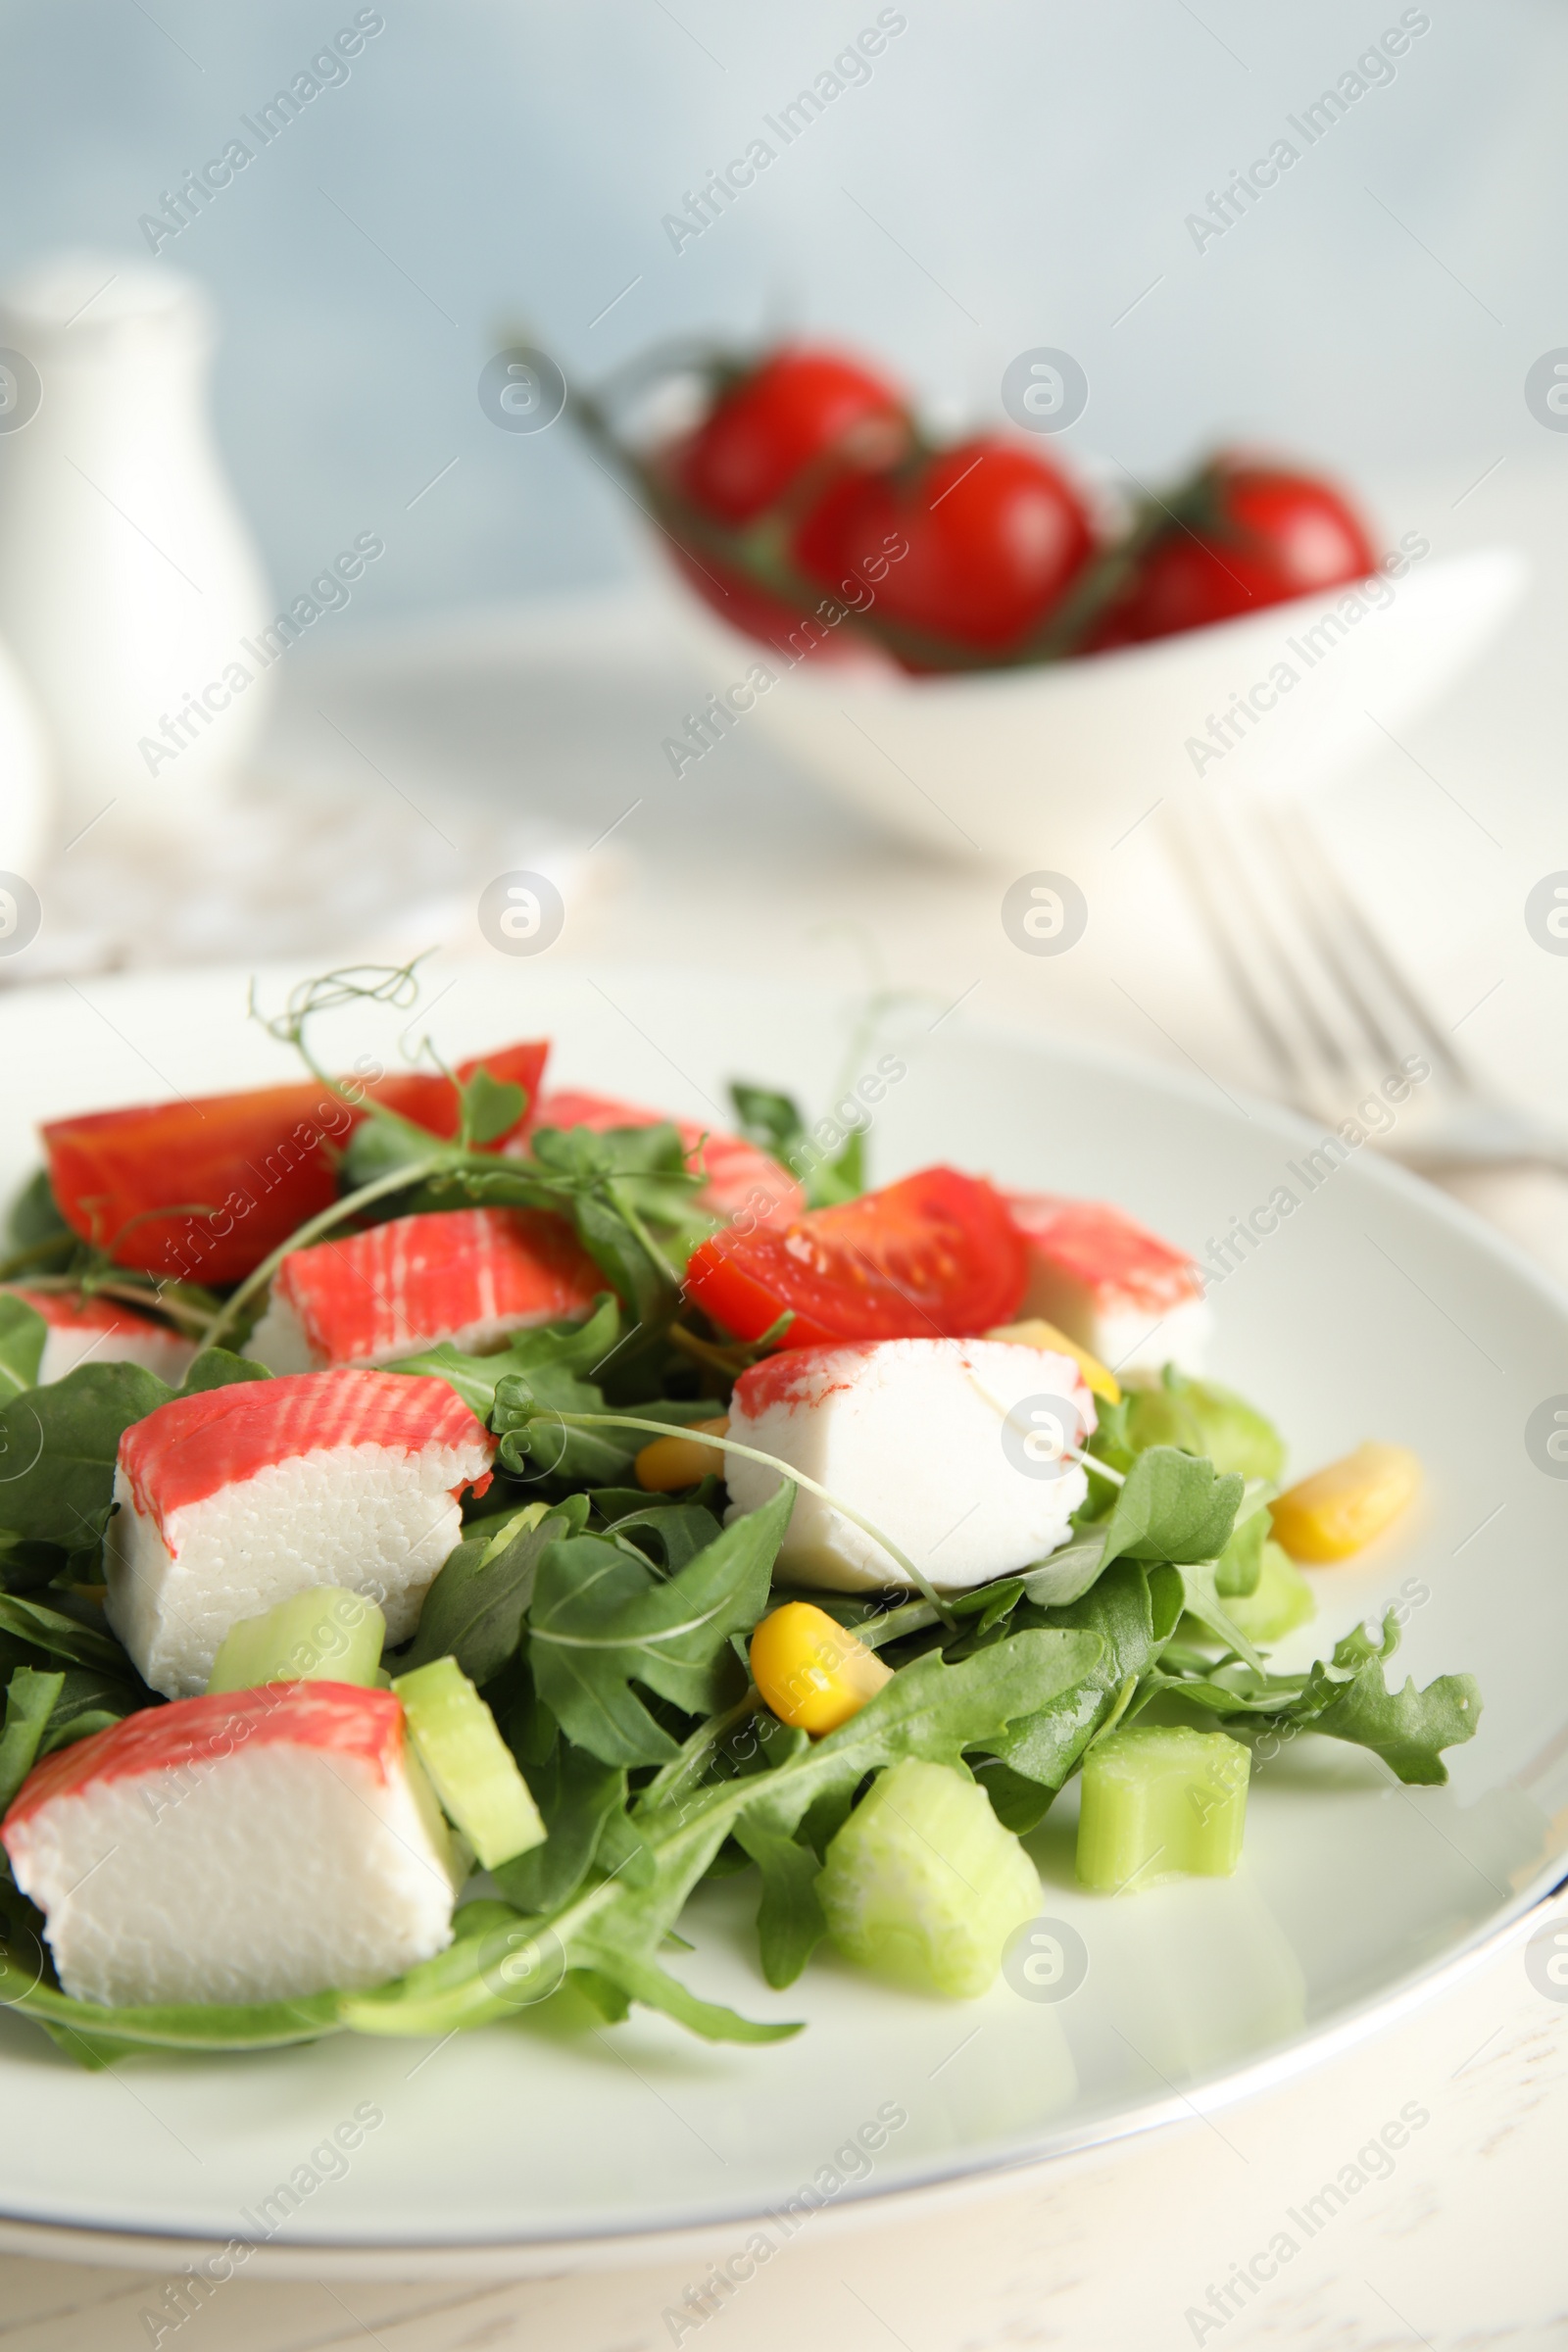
x=935 y=1257
x=261 y=1161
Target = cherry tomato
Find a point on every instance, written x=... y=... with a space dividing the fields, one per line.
x=1248 y=537
x=994 y=534
x=799 y=407
x=935 y=1257
x=262 y=1160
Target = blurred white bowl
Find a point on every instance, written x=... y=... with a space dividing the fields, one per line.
x=1037 y=765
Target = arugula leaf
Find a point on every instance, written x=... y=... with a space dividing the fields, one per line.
x=219 y=1368
x=1046 y=1747
x=577 y=1797
x=768 y=1119
x=1068 y=1573
x=57 y=1446
x=1241 y=1564
x=775 y=1123
x=600 y=1619
x=565 y=1350
x=35 y=1215
x=1202 y=1601
x=673 y=1533
x=25 y=1567
x=476 y=1607
x=1172 y=1507
x=1346 y=1697
x=789 y=1922
x=29 y=1702
x=23 y=1333
x=90 y=1701
x=1204 y=1419
x=64 y=1635
x=1409 y=1727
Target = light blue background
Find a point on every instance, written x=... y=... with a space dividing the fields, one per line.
x=1011 y=175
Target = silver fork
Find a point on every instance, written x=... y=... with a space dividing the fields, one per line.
x=1332 y=1010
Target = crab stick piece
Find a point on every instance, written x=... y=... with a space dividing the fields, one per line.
x=467 y=1275
x=258 y=1845
x=233 y=1499
x=1115 y=1288
x=962 y=1450
x=740 y=1180
x=97 y=1330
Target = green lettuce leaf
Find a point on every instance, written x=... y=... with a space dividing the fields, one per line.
x=476 y=1607
x=29 y=1702
x=57 y=1446
x=560 y=1351
x=1346 y=1697
x=219 y=1368
x=23 y=1333
x=1046 y=1747
x=55 y=1625
x=1204 y=1419
x=1172 y=1507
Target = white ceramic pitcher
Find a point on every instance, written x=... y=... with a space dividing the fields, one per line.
x=24 y=775
x=127 y=577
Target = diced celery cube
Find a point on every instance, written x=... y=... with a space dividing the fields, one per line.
x=1281 y=1599
x=923 y=1884
x=328 y=1634
x=1159 y=1803
x=475 y=1775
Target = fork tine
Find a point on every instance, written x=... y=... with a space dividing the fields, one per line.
x=1286 y=971
x=1309 y=911
x=1254 y=943
x=1400 y=987
x=1221 y=939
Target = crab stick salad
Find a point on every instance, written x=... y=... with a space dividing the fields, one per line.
x=418 y=1476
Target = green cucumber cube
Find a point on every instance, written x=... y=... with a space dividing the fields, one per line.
x=328 y=1634
x=1160 y=1803
x=475 y=1775
x=923 y=1884
x=1281 y=1599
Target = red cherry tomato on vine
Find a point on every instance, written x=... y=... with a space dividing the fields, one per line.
x=936 y=1256
x=994 y=535
x=1248 y=537
x=798 y=408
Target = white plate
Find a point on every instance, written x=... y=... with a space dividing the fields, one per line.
x=1376 y=1310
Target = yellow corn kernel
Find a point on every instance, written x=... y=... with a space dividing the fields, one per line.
x=670 y=1463
x=1037 y=1333
x=811 y=1671
x=1343 y=1505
